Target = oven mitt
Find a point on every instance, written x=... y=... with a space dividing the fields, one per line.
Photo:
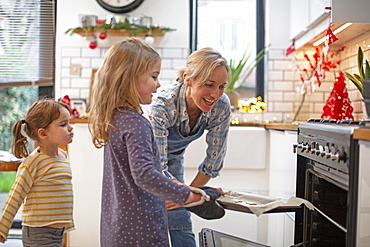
x=207 y=208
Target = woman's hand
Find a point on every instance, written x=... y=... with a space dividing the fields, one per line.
x=171 y=205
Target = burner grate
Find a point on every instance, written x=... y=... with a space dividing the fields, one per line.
x=341 y=122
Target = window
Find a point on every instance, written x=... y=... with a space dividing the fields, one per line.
x=27 y=54
x=233 y=27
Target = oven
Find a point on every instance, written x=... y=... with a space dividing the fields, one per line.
x=327 y=176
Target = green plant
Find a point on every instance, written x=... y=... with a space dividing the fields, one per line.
x=241 y=70
x=364 y=73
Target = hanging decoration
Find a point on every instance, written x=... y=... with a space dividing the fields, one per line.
x=338 y=105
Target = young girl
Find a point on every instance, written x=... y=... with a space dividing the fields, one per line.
x=43 y=181
x=182 y=113
x=134 y=190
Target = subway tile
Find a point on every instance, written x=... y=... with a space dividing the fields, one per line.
x=72 y=93
x=282 y=65
x=87 y=52
x=96 y=62
x=275 y=75
x=282 y=86
x=65 y=82
x=178 y=63
x=66 y=62
x=71 y=52
x=275 y=96
x=291 y=76
x=168 y=74
x=85 y=93
x=80 y=83
x=86 y=73
x=166 y=63
x=172 y=53
x=84 y=62
x=284 y=106
x=275 y=54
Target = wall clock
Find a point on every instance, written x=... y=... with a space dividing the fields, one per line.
x=120 y=6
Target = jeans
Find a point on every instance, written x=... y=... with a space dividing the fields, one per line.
x=42 y=236
x=180 y=229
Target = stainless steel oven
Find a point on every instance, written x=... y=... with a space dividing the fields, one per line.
x=327 y=176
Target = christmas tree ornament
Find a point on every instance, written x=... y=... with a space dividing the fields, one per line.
x=93 y=45
x=338 y=105
x=102 y=35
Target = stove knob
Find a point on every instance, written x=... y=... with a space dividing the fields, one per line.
x=321 y=151
x=336 y=156
x=327 y=152
x=343 y=156
x=295 y=147
x=313 y=147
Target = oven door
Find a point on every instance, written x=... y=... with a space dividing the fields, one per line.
x=212 y=238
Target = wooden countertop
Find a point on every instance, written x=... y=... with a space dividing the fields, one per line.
x=359 y=134
x=8 y=166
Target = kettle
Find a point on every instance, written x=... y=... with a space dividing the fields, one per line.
x=89 y=20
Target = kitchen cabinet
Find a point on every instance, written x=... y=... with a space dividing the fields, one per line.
x=282 y=179
x=87 y=171
x=309 y=26
x=363 y=212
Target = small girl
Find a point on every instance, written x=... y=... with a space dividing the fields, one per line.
x=43 y=181
x=133 y=211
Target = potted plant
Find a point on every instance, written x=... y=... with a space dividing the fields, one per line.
x=240 y=71
x=362 y=79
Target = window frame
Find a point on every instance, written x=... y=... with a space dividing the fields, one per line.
x=260 y=40
x=47 y=52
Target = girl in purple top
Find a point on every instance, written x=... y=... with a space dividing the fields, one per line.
x=133 y=211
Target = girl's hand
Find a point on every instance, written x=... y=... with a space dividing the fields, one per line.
x=2 y=239
x=171 y=205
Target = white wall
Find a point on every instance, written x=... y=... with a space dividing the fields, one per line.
x=167 y=13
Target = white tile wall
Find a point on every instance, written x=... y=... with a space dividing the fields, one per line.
x=283 y=95
x=78 y=86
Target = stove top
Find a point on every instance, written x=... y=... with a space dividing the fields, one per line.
x=363 y=123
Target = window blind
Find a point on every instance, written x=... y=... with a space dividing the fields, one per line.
x=27 y=42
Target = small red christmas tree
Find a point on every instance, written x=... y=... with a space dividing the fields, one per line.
x=338 y=105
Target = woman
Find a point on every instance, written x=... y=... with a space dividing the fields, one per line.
x=180 y=114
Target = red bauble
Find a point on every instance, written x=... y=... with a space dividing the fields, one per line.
x=93 y=45
x=102 y=35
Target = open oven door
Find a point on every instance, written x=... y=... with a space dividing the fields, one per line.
x=212 y=238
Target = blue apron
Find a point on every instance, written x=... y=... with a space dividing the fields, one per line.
x=176 y=145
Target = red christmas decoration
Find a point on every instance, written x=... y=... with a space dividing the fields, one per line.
x=290 y=49
x=102 y=35
x=331 y=36
x=338 y=105
x=66 y=100
x=92 y=45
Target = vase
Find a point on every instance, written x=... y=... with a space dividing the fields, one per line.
x=366 y=109
x=234 y=97
x=366 y=88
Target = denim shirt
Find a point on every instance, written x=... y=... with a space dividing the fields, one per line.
x=169 y=118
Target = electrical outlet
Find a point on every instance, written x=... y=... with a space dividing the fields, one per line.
x=75 y=69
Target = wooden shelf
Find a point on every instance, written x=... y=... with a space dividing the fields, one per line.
x=121 y=32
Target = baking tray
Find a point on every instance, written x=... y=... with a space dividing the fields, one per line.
x=240 y=208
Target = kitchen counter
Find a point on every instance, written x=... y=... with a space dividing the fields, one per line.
x=8 y=166
x=359 y=134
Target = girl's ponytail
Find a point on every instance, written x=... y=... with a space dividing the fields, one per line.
x=19 y=146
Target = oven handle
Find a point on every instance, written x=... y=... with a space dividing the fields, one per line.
x=331 y=220
x=297 y=245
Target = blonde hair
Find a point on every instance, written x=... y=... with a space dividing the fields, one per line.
x=201 y=64
x=115 y=85
x=40 y=115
